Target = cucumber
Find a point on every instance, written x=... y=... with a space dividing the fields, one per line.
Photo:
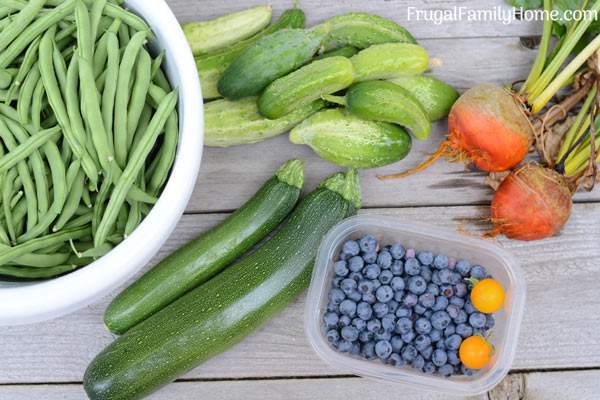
x=306 y=85
x=390 y=60
x=205 y=256
x=387 y=102
x=435 y=96
x=211 y=66
x=215 y=316
x=207 y=36
x=270 y=58
x=345 y=139
x=363 y=30
x=229 y=123
x=346 y=51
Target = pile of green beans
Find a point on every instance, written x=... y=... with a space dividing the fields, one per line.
x=88 y=132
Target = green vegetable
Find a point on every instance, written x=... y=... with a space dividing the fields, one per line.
x=387 y=102
x=435 y=96
x=211 y=252
x=305 y=85
x=346 y=51
x=350 y=141
x=5 y=79
x=229 y=123
x=270 y=58
x=215 y=316
x=391 y=60
x=211 y=66
x=363 y=30
x=216 y=34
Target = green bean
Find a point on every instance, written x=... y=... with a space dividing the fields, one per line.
x=21 y=20
x=40 y=25
x=138 y=94
x=122 y=96
x=15 y=199
x=72 y=172
x=5 y=79
x=157 y=63
x=66 y=153
x=38 y=260
x=29 y=59
x=75 y=192
x=101 y=54
x=97 y=252
x=79 y=221
x=122 y=217
x=85 y=41
x=82 y=209
x=110 y=88
x=138 y=24
x=60 y=68
x=36 y=273
x=101 y=81
x=25 y=149
x=86 y=198
x=26 y=94
x=99 y=204
x=143 y=124
x=96 y=15
x=134 y=166
x=7 y=188
x=37 y=103
x=161 y=80
x=124 y=36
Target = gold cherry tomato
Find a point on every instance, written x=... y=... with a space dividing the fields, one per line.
x=475 y=352
x=487 y=296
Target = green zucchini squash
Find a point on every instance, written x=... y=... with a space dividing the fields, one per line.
x=207 y=255
x=215 y=316
x=211 y=66
x=270 y=58
x=390 y=60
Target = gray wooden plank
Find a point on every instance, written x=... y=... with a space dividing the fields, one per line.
x=405 y=12
x=564 y=385
x=559 y=327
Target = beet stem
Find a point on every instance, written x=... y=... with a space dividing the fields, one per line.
x=442 y=151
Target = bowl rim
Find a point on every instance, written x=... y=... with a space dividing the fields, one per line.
x=31 y=302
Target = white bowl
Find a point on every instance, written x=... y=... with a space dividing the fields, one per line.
x=22 y=303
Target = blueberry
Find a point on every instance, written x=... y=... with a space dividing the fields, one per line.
x=388 y=322
x=410 y=253
x=397 y=268
x=368 y=244
x=369 y=298
x=380 y=309
x=398 y=251
x=425 y=257
x=433 y=289
x=369 y=258
x=395 y=360
x=386 y=277
x=348 y=285
x=453 y=358
x=429 y=368
x=351 y=247
x=422 y=341
x=392 y=306
x=356 y=264
x=399 y=295
x=440 y=320
x=383 y=335
x=357 y=276
x=453 y=342
x=477 y=320
x=376 y=284
x=383 y=349
x=331 y=320
x=359 y=324
x=373 y=325
x=464 y=330
x=427 y=300
x=340 y=268
x=445 y=275
x=355 y=350
x=435 y=335
x=450 y=330
x=344 y=256
x=333 y=336
x=440 y=262
x=446 y=370
x=435 y=278
x=469 y=307
x=331 y=307
x=365 y=336
x=490 y=321
x=408 y=337
x=427 y=352
x=403 y=312
x=364 y=311
x=384 y=259
x=457 y=301
x=409 y=353
x=348 y=307
x=397 y=343
x=463 y=267
x=419 y=309
x=336 y=281
x=412 y=267
x=365 y=286
x=410 y=300
x=372 y=271
x=368 y=350
x=426 y=273
x=355 y=295
x=422 y=326
x=460 y=290
x=427 y=314
x=439 y=357
x=478 y=272
x=403 y=325
x=447 y=290
x=418 y=362
x=441 y=303
x=417 y=285
x=453 y=311
x=344 y=321
x=455 y=278
x=344 y=346
x=441 y=344
x=336 y=296
x=466 y=371
x=397 y=283
x=350 y=333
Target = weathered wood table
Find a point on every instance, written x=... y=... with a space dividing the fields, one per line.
x=558 y=354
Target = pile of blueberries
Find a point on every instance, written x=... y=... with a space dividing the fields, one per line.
x=403 y=307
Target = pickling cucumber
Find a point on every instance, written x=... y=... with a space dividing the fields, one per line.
x=215 y=316
x=346 y=51
x=205 y=256
x=435 y=96
x=390 y=60
x=270 y=58
x=211 y=66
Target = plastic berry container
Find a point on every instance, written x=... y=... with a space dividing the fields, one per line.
x=388 y=230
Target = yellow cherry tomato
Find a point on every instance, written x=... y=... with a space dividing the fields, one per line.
x=475 y=352
x=487 y=296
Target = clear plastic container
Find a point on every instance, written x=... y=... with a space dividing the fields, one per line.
x=501 y=265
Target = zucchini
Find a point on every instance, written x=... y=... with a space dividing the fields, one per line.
x=306 y=85
x=270 y=58
x=218 y=33
x=345 y=139
x=390 y=60
x=436 y=96
x=205 y=256
x=215 y=316
x=211 y=66
x=229 y=123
